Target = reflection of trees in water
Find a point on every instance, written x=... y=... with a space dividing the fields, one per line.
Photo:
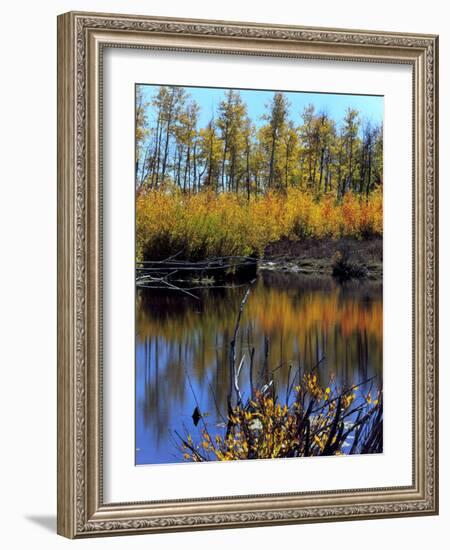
x=281 y=280
x=302 y=318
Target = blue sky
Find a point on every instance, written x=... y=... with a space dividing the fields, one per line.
x=335 y=105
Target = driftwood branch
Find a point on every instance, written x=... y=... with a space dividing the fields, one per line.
x=233 y=347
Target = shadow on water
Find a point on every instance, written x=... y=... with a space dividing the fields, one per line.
x=182 y=346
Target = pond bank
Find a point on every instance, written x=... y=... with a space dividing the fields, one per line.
x=345 y=258
x=317 y=256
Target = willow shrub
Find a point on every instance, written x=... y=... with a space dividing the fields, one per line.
x=207 y=224
x=317 y=422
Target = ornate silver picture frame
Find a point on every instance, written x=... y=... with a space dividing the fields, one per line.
x=82 y=40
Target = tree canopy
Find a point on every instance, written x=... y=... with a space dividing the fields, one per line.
x=309 y=151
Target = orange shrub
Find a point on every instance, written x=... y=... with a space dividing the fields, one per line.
x=207 y=224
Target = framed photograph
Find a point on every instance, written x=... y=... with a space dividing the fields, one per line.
x=247 y=276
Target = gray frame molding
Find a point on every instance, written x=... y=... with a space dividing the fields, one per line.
x=81 y=39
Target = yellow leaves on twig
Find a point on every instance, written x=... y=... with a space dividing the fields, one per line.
x=265 y=428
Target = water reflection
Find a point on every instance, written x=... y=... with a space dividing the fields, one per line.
x=291 y=322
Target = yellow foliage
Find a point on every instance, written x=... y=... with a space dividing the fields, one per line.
x=268 y=429
x=207 y=224
x=347 y=400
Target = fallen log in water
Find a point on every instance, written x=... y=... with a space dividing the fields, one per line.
x=164 y=273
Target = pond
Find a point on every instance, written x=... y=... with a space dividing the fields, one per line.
x=290 y=323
